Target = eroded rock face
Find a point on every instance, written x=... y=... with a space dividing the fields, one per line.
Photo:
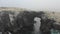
x=26 y=19
x=23 y=22
x=56 y=26
x=4 y=20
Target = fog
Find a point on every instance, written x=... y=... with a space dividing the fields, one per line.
x=45 y=5
x=37 y=25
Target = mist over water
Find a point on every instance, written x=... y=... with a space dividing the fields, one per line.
x=37 y=26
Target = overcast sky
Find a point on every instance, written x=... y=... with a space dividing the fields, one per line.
x=51 y=5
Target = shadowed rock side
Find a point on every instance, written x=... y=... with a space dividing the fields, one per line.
x=25 y=22
x=56 y=26
x=4 y=22
x=46 y=24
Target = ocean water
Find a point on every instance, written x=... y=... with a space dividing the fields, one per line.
x=55 y=31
